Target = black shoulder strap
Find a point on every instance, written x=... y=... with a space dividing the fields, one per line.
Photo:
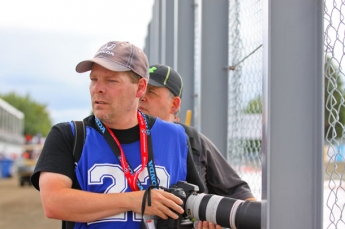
x=194 y=138
x=79 y=137
x=150 y=120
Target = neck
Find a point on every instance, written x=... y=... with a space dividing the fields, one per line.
x=171 y=118
x=127 y=121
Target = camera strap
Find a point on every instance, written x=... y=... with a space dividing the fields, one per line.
x=145 y=150
x=147 y=195
x=148 y=223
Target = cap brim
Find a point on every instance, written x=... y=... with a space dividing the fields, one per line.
x=86 y=65
x=155 y=83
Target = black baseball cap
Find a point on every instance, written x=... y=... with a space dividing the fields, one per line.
x=165 y=76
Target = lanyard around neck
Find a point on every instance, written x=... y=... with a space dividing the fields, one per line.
x=146 y=153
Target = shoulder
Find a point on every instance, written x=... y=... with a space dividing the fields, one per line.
x=60 y=134
x=206 y=142
x=66 y=129
x=88 y=121
x=167 y=130
x=190 y=131
x=167 y=125
x=61 y=128
x=194 y=139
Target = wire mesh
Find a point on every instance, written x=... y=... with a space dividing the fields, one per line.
x=334 y=156
x=245 y=91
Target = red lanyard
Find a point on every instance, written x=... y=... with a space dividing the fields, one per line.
x=132 y=177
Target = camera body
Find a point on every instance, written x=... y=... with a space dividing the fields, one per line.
x=220 y=210
x=182 y=190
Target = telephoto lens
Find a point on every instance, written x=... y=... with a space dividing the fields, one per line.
x=224 y=211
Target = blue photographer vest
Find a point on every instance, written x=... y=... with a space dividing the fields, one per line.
x=99 y=171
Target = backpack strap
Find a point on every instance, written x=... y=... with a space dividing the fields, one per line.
x=150 y=121
x=79 y=138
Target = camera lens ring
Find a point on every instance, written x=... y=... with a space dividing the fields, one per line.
x=233 y=213
x=212 y=207
x=192 y=205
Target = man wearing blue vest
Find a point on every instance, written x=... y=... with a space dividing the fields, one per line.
x=162 y=99
x=125 y=157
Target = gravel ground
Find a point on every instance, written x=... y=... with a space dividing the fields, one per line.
x=20 y=207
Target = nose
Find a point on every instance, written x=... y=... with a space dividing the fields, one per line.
x=98 y=87
x=143 y=98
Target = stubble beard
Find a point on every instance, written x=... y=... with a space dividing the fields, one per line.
x=104 y=116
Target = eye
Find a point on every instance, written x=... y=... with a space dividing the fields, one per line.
x=150 y=91
x=113 y=80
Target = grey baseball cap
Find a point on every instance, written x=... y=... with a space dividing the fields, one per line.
x=118 y=56
x=165 y=76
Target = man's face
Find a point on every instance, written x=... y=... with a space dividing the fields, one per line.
x=113 y=95
x=157 y=101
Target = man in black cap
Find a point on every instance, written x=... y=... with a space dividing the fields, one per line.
x=163 y=99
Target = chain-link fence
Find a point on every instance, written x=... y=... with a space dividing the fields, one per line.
x=245 y=84
x=334 y=150
x=245 y=91
x=245 y=23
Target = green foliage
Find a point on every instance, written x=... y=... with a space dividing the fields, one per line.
x=252 y=146
x=254 y=106
x=37 y=119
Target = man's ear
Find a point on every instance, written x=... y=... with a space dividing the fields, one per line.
x=142 y=85
x=175 y=105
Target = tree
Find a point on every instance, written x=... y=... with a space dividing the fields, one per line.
x=253 y=107
x=37 y=119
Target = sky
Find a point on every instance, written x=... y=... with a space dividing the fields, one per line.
x=41 y=42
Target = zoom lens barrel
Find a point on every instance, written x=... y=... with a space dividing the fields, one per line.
x=224 y=211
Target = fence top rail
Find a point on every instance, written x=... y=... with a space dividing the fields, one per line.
x=10 y=109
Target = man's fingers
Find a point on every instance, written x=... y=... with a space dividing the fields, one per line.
x=211 y=225
x=173 y=202
x=168 y=213
x=164 y=205
x=163 y=211
x=207 y=225
x=172 y=197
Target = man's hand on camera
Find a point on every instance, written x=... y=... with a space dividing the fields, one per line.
x=163 y=204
